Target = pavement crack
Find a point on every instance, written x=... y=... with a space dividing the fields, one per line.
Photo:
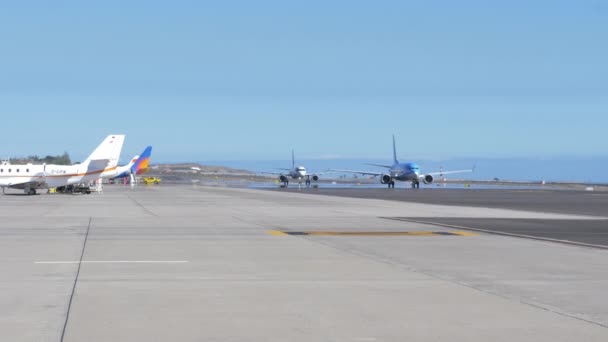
x=142 y=206
x=84 y=246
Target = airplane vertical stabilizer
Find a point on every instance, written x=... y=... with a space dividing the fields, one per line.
x=142 y=164
x=394 y=151
x=109 y=151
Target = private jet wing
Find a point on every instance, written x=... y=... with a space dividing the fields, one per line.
x=27 y=184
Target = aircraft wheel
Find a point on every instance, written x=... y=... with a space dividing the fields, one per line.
x=31 y=192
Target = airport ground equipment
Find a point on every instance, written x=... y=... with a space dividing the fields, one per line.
x=151 y=180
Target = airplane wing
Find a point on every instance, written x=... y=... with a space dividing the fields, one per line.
x=310 y=173
x=272 y=173
x=30 y=184
x=367 y=173
x=385 y=166
x=448 y=172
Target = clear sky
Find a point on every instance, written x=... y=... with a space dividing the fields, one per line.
x=233 y=80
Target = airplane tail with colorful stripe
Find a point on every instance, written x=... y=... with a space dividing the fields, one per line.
x=142 y=165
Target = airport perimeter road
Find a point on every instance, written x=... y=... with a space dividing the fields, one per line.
x=189 y=263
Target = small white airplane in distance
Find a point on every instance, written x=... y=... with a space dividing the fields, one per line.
x=406 y=172
x=101 y=163
x=296 y=172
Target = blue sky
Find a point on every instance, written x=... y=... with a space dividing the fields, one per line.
x=237 y=80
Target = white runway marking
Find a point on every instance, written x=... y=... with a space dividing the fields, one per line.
x=115 y=262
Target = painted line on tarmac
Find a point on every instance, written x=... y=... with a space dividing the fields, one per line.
x=115 y=262
x=359 y=233
x=497 y=232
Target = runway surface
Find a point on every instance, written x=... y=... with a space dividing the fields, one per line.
x=191 y=263
x=555 y=201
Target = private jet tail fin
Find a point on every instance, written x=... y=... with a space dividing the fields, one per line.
x=293 y=159
x=142 y=165
x=108 y=151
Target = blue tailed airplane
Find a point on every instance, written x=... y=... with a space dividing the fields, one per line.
x=405 y=172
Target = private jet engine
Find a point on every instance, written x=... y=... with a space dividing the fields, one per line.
x=386 y=179
x=427 y=179
x=283 y=179
x=314 y=178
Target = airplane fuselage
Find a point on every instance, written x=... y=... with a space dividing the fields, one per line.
x=406 y=172
x=49 y=176
x=298 y=172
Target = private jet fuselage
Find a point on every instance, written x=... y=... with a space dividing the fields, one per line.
x=29 y=177
x=102 y=163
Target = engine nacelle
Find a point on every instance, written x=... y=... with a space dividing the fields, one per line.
x=385 y=179
x=283 y=178
x=314 y=178
x=427 y=179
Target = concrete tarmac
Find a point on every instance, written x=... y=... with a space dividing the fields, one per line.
x=190 y=263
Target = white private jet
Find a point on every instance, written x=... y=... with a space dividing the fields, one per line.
x=101 y=163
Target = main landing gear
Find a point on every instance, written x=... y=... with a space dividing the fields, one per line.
x=391 y=185
x=415 y=185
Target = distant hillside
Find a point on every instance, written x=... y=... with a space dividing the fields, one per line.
x=194 y=168
x=63 y=159
x=198 y=173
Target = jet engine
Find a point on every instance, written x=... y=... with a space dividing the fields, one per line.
x=314 y=178
x=385 y=179
x=283 y=178
x=427 y=179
